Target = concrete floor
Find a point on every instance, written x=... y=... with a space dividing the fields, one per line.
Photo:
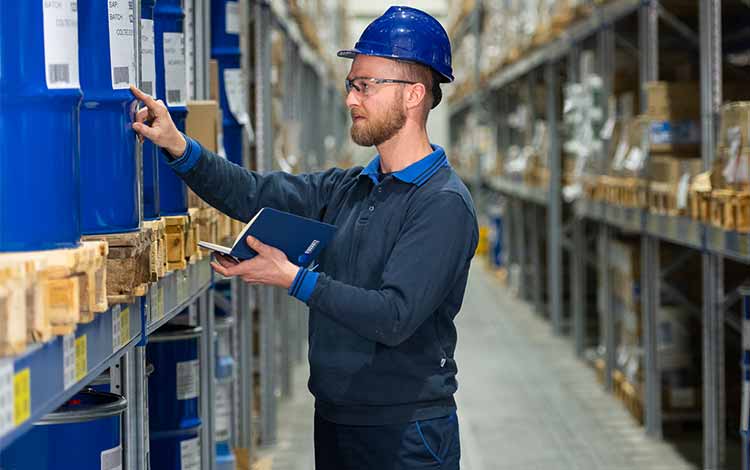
x=525 y=401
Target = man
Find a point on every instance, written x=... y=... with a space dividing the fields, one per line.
x=390 y=284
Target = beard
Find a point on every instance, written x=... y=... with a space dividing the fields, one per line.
x=376 y=131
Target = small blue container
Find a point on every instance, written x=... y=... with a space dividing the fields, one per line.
x=39 y=174
x=148 y=85
x=83 y=434
x=174 y=387
x=225 y=48
x=225 y=459
x=169 y=18
x=107 y=139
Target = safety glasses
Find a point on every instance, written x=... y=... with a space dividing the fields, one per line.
x=367 y=86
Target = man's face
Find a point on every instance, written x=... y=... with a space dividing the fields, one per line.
x=377 y=113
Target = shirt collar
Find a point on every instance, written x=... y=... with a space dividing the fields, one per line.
x=418 y=173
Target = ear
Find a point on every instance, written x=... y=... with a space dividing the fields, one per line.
x=415 y=96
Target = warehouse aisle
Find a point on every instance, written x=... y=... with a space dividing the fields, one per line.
x=525 y=402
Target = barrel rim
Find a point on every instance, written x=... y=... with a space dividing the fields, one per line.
x=116 y=407
x=189 y=332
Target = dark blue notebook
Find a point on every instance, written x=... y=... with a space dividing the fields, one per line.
x=300 y=238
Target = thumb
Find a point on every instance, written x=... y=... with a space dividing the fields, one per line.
x=257 y=245
x=145 y=131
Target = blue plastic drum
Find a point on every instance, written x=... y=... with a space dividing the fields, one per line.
x=83 y=434
x=225 y=48
x=173 y=394
x=225 y=459
x=39 y=102
x=109 y=180
x=171 y=86
x=148 y=85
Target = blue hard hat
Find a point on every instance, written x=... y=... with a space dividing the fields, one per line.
x=406 y=33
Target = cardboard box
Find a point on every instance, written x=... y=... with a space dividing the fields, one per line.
x=202 y=124
x=673 y=100
x=671 y=168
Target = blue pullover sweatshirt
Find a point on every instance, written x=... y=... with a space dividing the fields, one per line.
x=389 y=285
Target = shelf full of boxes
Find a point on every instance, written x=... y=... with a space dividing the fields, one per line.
x=69 y=315
x=619 y=126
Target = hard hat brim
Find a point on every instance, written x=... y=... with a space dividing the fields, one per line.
x=352 y=53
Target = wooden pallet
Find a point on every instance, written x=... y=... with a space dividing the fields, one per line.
x=631 y=396
x=625 y=192
x=207 y=221
x=730 y=210
x=177 y=228
x=662 y=199
x=192 y=253
x=158 y=256
x=46 y=293
x=130 y=263
x=699 y=205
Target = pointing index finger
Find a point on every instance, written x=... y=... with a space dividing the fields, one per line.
x=147 y=100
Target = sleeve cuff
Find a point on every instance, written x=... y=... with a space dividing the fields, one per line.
x=303 y=285
x=188 y=160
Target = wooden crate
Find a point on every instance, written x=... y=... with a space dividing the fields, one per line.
x=131 y=265
x=176 y=241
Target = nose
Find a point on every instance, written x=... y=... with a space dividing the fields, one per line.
x=352 y=99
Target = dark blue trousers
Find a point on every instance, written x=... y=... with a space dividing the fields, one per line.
x=432 y=444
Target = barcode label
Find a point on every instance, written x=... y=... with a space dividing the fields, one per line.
x=121 y=75
x=121 y=44
x=174 y=96
x=58 y=73
x=112 y=459
x=148 y=57
x=61 y=43
x=147 y=88
x=174 y=69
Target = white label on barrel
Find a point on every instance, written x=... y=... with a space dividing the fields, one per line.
x=6 y=396
x=235 y=87
x=148 y=58
x=112 y=459
x=174 y=69
x=61 y=43
x=233 y=18
x=223 y=410
x=121 y=46
x=190 y=454
x=187 y=380
x=189 y=48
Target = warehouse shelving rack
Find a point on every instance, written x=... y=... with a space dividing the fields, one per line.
x=594 y=223
x=46 y=375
